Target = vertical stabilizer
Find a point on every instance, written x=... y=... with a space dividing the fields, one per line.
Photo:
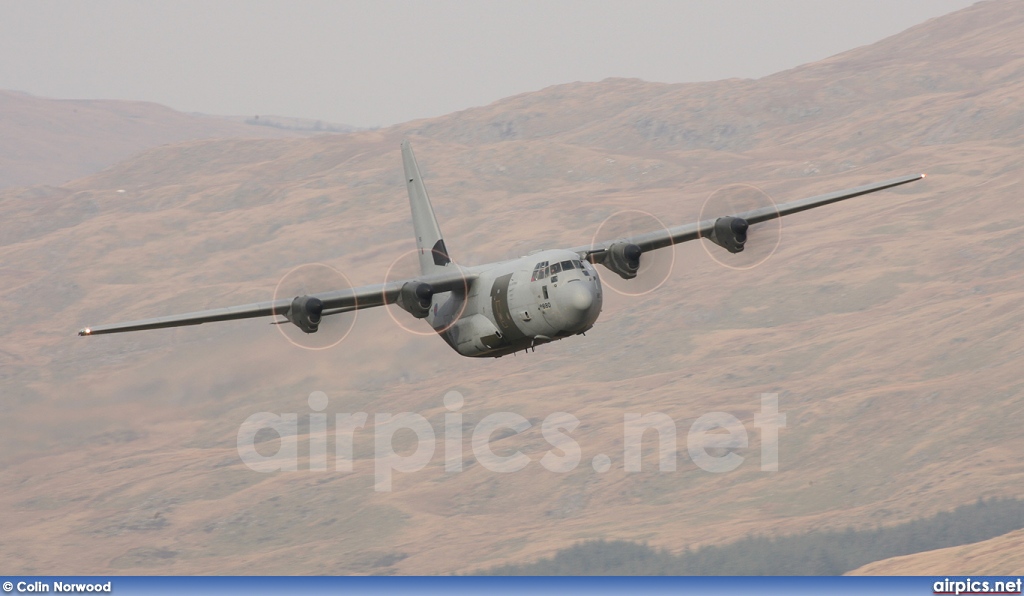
x=432 y=251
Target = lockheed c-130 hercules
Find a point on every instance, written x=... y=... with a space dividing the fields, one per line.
x=500 y=308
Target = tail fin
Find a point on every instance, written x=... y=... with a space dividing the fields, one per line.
x=433 y=254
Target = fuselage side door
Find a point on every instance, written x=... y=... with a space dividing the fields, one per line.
x=500 y=307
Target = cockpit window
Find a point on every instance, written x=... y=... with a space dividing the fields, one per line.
x=540 y=271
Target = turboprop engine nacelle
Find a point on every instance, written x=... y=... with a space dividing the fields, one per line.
x=305 y=312
x=623 y=259
x=730 y=233
x=415 y=298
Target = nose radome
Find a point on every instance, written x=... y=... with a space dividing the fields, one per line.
x=576 y=296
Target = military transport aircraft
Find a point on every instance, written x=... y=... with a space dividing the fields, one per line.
x=499 y=308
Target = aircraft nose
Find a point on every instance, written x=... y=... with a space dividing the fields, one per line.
x=576 y=305
x=578 y=296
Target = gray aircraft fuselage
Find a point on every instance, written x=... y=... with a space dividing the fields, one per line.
x=518 y=304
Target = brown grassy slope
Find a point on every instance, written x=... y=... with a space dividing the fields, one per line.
x=889 y=325
x=968 y=64
x=51 y=141
x=1003 y=555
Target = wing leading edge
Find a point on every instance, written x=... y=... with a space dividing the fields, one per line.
x=684 y=233
x=335 y=302
x=459 y=280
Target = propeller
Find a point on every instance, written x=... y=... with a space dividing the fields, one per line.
x=628 y=270
x=739 y=246
x=416 y=299
x=309 y=325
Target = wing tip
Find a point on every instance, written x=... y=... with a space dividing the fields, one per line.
x=84 y=332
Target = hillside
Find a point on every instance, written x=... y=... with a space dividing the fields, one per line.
x=817 y=552
x=888 y=325
x=51 y=141
x=1003 y=555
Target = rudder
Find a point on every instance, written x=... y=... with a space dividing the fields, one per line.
x=429 y=243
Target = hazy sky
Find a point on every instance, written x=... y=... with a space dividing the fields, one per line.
x=381 y=62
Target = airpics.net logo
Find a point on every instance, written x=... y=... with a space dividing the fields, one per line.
x=713 y=441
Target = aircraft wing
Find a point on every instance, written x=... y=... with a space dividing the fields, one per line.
x=684 y=233
x=334 y=302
